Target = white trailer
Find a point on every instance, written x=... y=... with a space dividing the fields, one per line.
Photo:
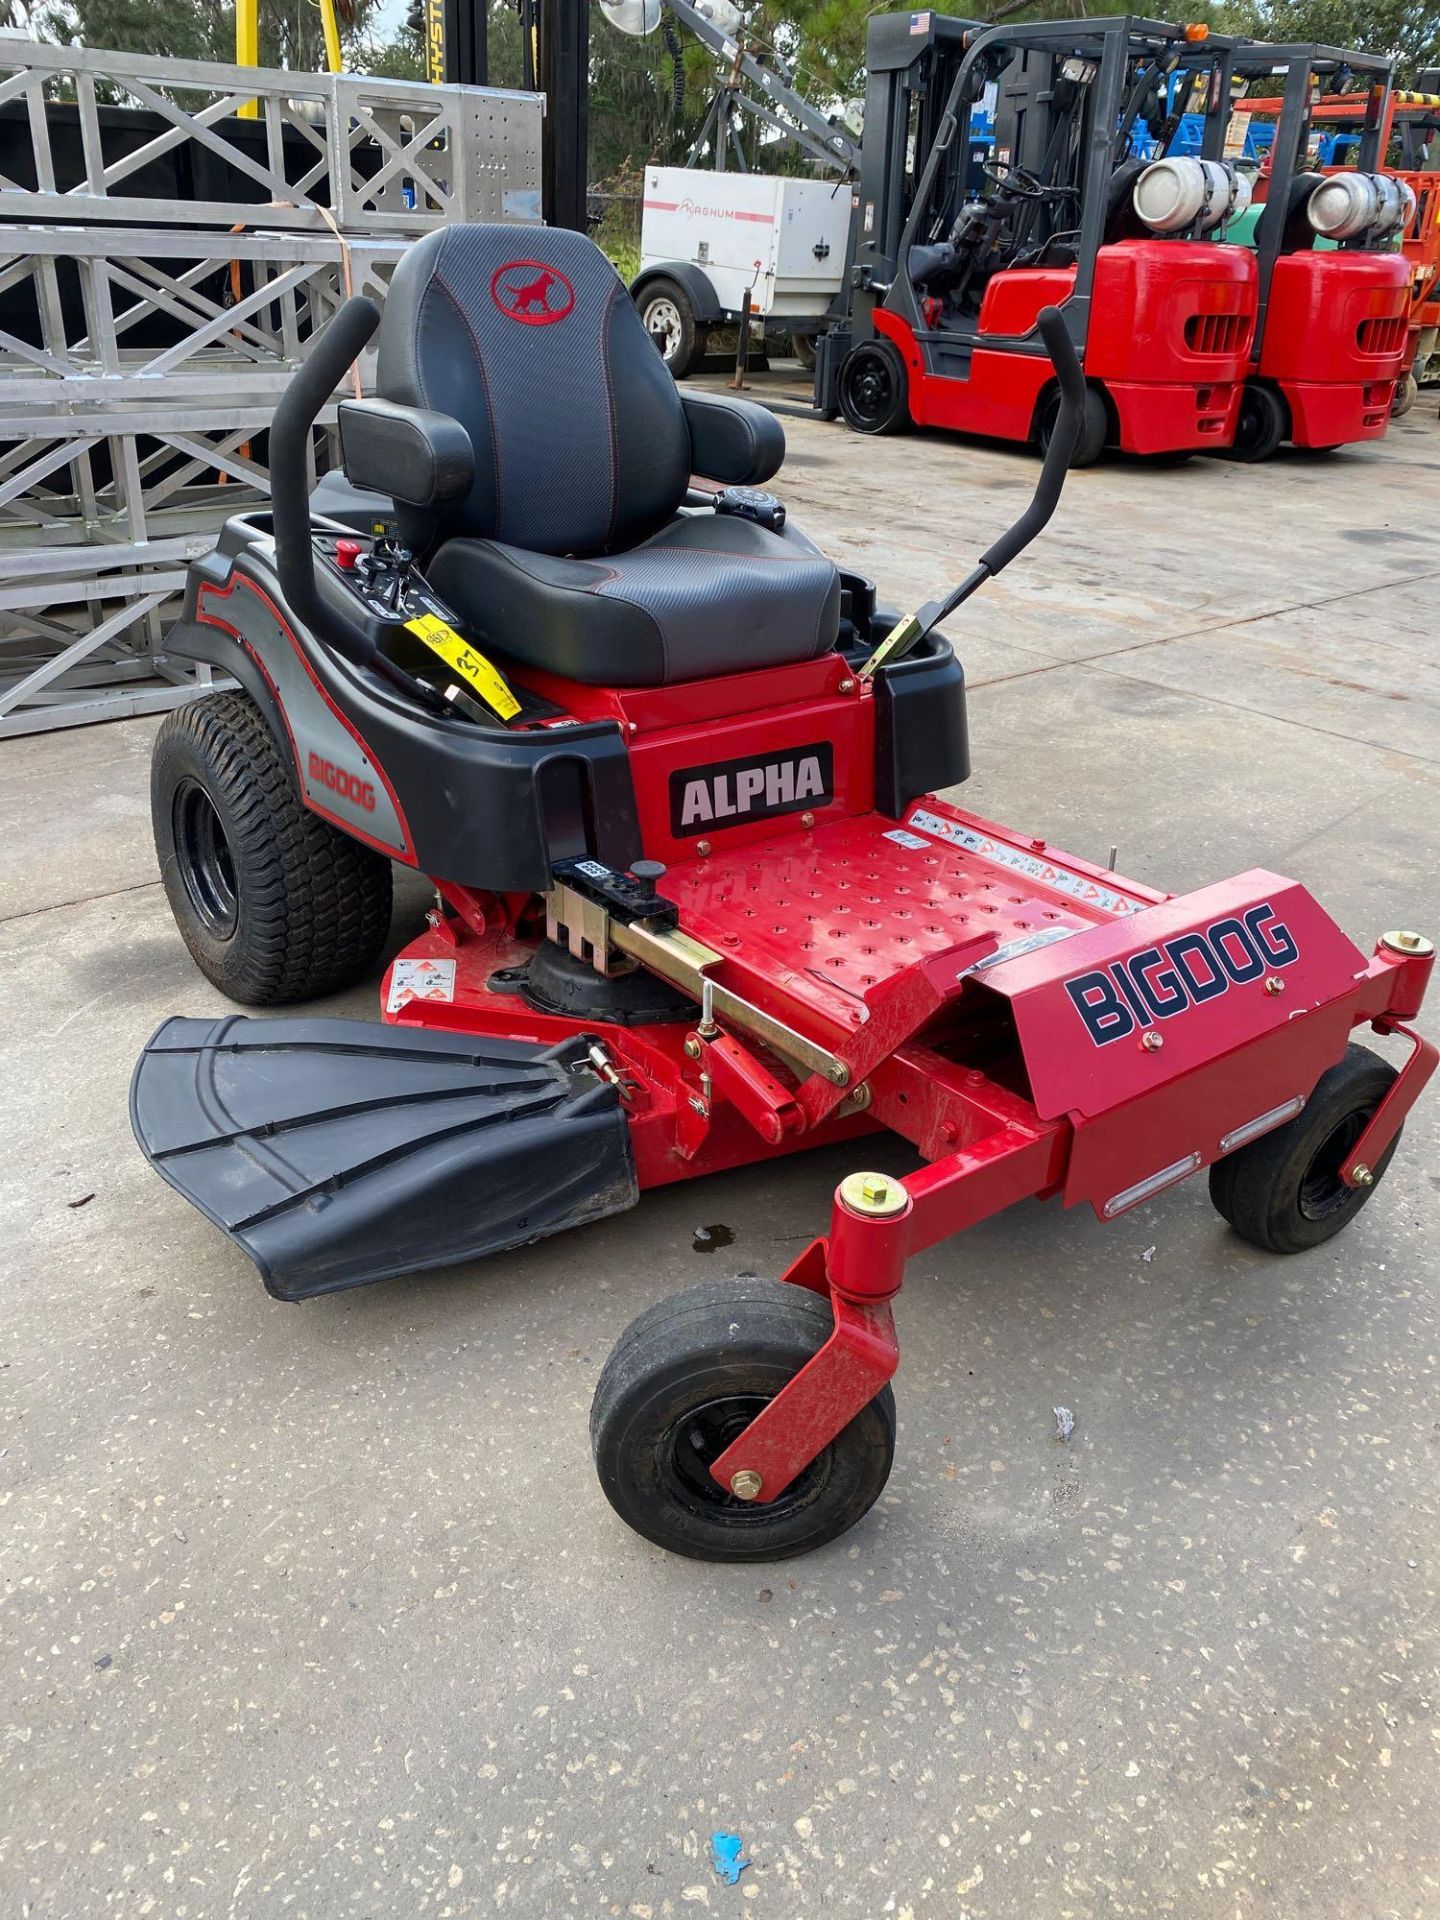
x=705 y=237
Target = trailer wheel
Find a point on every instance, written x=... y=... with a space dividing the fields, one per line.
x=683 y=1380
x=873 y=389
x=1284 y=1192
x=273 y=903
x=1263 y=424
x=667 y=309
x=1094 y=429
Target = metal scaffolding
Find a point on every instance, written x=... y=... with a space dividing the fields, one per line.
x=163 y=264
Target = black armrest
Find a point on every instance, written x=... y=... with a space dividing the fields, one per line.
x=410 y=453
x=733 y=441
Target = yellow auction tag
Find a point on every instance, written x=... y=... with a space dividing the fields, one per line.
x=467 y=661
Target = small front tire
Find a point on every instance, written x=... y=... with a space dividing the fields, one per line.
x=1263 y=424
x=683 y=1381
x=1284 y=1192
x=873 y=389
x=1094 y=428
x=274 y=904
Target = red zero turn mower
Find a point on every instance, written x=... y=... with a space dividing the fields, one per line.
x=696 y=901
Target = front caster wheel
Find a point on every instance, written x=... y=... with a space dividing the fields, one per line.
x=1284 y=1192
x=683 y=1380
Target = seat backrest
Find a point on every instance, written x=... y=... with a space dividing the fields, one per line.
x=528 y=337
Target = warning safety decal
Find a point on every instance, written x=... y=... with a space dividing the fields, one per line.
x=1045 y=871
x=420 y=980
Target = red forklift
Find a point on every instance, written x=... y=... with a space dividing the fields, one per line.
x=1334 y=290
x=955 y=252
x=1329 y=131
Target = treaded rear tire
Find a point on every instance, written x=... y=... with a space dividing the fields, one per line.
x=709 y=1358
x=1275 y=1193
x=306 y=909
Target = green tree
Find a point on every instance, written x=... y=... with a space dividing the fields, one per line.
x=1409 y=29
x=291 y=34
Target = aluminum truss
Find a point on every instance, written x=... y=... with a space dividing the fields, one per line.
x=142 y=349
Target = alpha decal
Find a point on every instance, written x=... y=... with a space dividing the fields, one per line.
x=729 y=791
x=1161 y=981
x=531 y=292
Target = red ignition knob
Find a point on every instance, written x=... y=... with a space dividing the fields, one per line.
x=347 y=552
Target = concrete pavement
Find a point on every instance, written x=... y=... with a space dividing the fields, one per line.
x=319 y=1611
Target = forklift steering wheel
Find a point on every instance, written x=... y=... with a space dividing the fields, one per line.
x=1020 y=181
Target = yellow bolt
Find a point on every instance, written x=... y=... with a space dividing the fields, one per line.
x=1403 y=940
x=746 y=1484
x=873 y=1193
x=1363 y=1177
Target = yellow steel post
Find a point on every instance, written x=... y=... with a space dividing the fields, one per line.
x=331 y=22
x=247 y=47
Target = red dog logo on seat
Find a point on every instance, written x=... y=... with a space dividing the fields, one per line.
x=531 y=292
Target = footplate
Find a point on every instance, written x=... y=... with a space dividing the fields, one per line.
x=337 y=1152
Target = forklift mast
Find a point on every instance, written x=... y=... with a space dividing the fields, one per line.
x=1308 y=71
x=1066 y=94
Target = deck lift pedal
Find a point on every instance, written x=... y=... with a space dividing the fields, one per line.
x=698 y=902
x=945 y=283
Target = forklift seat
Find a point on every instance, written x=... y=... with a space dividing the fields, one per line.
x=571 y=548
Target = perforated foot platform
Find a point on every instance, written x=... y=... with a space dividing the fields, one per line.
x=337 y=1152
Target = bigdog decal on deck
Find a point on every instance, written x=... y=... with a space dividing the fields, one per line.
x=1161 y=981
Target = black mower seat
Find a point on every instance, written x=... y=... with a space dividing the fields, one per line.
x=708 y=594
x=567 y=547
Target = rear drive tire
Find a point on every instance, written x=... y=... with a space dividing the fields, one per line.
x=274 y=904
x=1094 y=429
x=873 y=389
x=666 y=307
x=1263 y=424
x=1407 y=392
x=1284 y=1192
x=683 y=1380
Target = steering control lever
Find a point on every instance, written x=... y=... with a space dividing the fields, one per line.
x=909 y=632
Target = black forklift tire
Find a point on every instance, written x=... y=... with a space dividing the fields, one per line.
x=683 y=1380
x=274 y=904
x=873 y=389
x=667 y=300
x=802 y=345
x=1094 y=429
x=1284 y=1192
x=1407 y=392
x=1263 y=424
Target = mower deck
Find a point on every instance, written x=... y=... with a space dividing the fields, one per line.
x=818 y=924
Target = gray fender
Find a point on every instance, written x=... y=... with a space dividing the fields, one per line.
x=695 y=282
